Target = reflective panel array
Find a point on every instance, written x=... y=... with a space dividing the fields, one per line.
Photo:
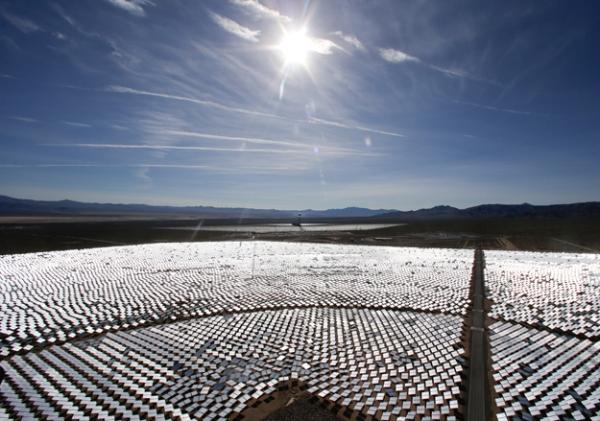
x=559 y=291
x=49 y=298
x=540 y=375
x=381 y=363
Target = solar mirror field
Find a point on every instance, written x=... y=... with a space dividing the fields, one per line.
x=244 y=330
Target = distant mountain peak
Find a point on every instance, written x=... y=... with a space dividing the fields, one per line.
x=441 y=207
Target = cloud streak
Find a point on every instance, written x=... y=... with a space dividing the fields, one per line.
x=175 y=148
x=77 y=124
x=254 y=140
x=211 y=104
x=235 y=28
x=352 y=40
x=314 y=120
x=323 y=46
x=396 y=56
x=22 y=24
x=260 y=10
x=220 y=106
x=243 y=149
x=135 y=7
x=392 y=55
x=491 y=108
x=23 y=119
x=253 y=169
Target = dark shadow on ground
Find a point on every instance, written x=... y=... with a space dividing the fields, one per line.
x=303 y=409
x=576 y=234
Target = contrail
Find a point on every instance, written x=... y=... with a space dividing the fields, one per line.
x=251 y=140
x=220 y=106
x=165 y=166
x=204 y=148
x=170 y=147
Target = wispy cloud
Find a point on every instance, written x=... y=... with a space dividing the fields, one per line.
x=220 y=106
x=352 y=40
x=71 y=165
x=260 y=10
x=323 y=46
x=176 y=148
x=77 y=124
x=143 y=174
x=5 y=76
x=212 y=104
x=450 y=72
x=118 y=127
x=235 y=28
x=396 y=56
x=22 y=24
x=118 y=55
x=135 y=7
x=254 y=140
x=314 y=120
x=10 y=43
x=211 y=168
x=61 y=12
x=463 y=74
x=242 y=149
x=492 y=108
x=23 y=119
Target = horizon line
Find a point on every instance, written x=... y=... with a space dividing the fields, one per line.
x=293 y=210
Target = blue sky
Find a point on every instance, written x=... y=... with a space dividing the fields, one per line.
x=398 y=104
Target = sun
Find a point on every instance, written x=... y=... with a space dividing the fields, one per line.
x=295 y=47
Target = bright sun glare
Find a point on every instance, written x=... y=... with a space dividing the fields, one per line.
x=295 y=47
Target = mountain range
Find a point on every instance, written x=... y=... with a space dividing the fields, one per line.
x=14 y=206
x=584 y=209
